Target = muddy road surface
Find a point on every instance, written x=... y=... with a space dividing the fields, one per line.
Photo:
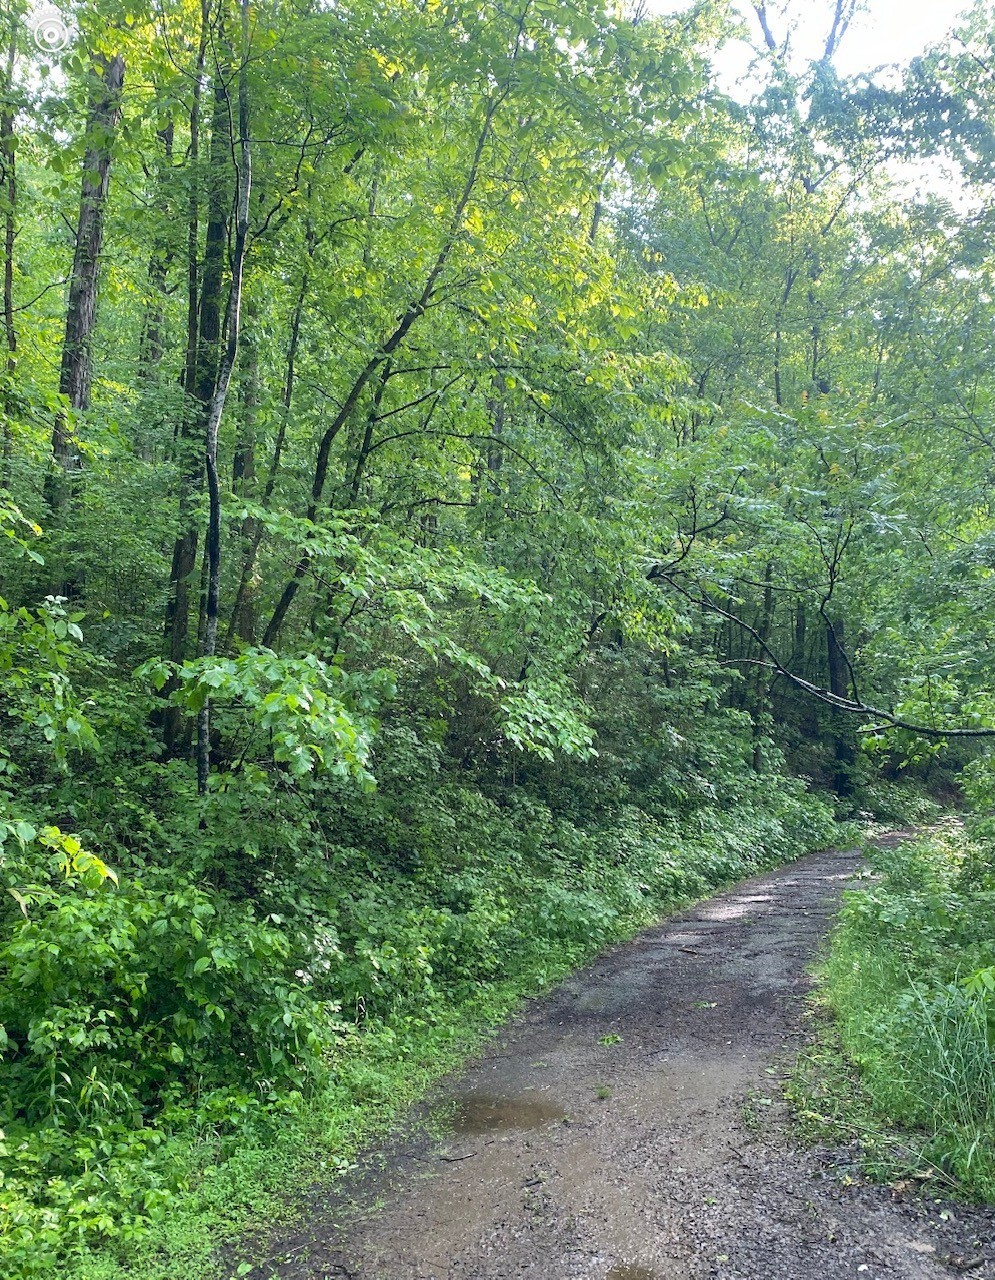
x=629 y=1127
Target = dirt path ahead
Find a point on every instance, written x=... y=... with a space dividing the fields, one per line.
x=628 y=1128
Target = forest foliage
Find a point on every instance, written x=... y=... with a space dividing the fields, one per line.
x=466 y=482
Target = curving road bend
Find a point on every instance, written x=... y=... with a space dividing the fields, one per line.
x=628 y=1127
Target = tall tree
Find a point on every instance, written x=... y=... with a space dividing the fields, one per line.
x=76 y=371
x=222 y=381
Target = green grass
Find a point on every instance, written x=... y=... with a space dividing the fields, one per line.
x=903 y=1061
x=831 y=1107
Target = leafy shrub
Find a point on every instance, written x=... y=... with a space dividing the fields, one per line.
x=906 y=976
x=903 y=803
x=120 y=1007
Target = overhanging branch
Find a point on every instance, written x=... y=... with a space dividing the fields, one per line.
x=852 y=706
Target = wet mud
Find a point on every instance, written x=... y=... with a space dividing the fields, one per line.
x=485 y=1113
x=629 y=1127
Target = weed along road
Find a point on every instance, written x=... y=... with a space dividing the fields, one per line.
x=629 y=1127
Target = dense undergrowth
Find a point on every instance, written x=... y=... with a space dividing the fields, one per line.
x=273 y=968
x=910 y=980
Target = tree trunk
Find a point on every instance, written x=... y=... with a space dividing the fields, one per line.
x=252 y=528
x=243 y=474
x=762 y=687
x=495 y=455
x=215 y=243
x=844 y=748
x=8 y=201
x=203 y=325
x=193 y=209
x=81 y=309
x=150 y=351
x=360 y=456
x=798 y=643
x=223 y=381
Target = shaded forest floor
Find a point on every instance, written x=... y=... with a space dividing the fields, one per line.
x=630 y=1127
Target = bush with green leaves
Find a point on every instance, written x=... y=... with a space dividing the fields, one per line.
x=911 y=976
x=125 y=1009
x=905 y=803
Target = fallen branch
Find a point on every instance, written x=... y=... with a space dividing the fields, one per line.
x=852 y=706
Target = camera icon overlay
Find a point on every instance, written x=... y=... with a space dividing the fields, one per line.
x=48 y=28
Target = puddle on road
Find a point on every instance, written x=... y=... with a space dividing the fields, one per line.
x=723 y=911
x=486 y=1113
x=626 y=1272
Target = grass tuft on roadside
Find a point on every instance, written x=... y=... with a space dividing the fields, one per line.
x=902 y=1062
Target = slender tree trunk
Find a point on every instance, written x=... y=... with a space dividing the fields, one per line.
x=798 y=642
x=844 y=748
x=789 y=284
x=151 y=344
x=151 y=348
x=599 y=204
x=252 y=529
x=215 y=243
x=243 y=472
x=243 y=463
x=217 y=403
x=361 y=455
x=81 y=309
x=495 y=454
x=820 y=383
x=188 y=448
x=193 y=207
x=762 y=688
x=8 y=201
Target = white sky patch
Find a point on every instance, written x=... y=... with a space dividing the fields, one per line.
x=889 y=31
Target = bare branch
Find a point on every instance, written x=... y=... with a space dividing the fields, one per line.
x=842 y=17
x=760 y=9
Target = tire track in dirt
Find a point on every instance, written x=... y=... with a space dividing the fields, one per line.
x=606 y=1135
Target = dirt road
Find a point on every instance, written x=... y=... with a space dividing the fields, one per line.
x=628 y=1127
